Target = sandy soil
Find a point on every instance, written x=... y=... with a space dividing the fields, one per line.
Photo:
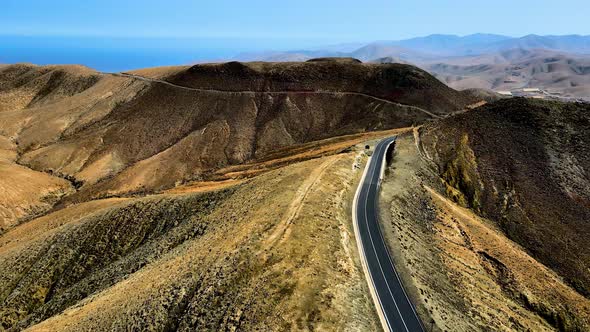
x=159 y=73
x=303 y=152
x=27 y=193
x=204 y=186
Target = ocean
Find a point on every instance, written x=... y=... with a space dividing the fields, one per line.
x=120 y=54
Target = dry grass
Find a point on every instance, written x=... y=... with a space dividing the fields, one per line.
x=41 y=85
x=159 y=73
x=523 y=164
x=505 y=277
x=204 y=186
x=27 y=193
x=302 y=152
x=256 y=233
x=120 y=135
x=230 y=278
x=7 y=149
x=41 y=228
x=57 y=103
x=461 y=270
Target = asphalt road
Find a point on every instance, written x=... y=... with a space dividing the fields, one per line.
x=395 y=309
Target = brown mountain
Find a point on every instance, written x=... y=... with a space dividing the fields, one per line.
x=208 y=197
x=113 y=134
x=530 y=174
x=487 y=212
x=566 y=74
x=217 y=197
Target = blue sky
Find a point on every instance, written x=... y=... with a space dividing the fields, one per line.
x=117 y=35
x=325 y=20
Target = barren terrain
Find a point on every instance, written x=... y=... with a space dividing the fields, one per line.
x=159 y=202
x=217 y=197
x=275 y=252
x=565 y=74
x=469 y=266
x=118 y=134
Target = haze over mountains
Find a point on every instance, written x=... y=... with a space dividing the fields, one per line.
x=437 y=46
x=488 y=61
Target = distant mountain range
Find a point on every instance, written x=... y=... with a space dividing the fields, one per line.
x=488 y=61
x=433 y=47
x=565 y=74
x=477 y=44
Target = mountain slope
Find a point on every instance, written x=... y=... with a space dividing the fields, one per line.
x=486 y=213
x=272 y=253
x=23 y=85
x=129 y=134
x=566 y=74
x=394 y=82
x=212 y=197
x=525 y=165
x=216 y=197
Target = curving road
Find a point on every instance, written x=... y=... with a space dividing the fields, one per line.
x=393 y=305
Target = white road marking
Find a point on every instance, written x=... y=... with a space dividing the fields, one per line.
x=375 y=251
x=370 y=170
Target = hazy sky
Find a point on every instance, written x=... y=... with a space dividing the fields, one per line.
x=333 y=20
x=108 y=35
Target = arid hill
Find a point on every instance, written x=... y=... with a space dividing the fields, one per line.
x=116 y=134
x=21 y=86
x=395 y=82
x=557 y=72
x=275 y=252
x=217 y=197
x=525 y=165
x=488 y=213
x=212 y=197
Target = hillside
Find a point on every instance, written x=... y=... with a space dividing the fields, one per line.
x=394 y=82
x=275 y=252
x=566 y=74
x=217 y=197
x=117 y=134
x=208 y=197
x=529 y=174
x=497 y=200
x=22 y=86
